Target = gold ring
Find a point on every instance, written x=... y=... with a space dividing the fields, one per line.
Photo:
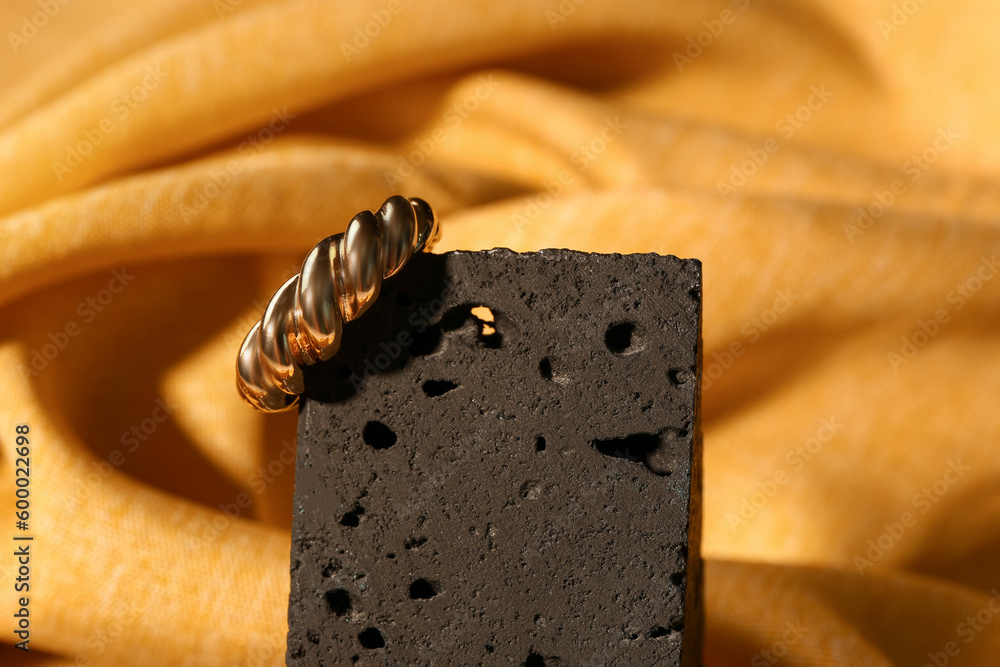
x=339 y=279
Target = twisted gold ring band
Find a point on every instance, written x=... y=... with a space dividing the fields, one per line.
x=339 y=279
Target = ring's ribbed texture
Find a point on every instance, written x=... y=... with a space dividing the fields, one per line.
x=338 y=281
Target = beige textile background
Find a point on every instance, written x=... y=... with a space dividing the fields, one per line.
x=164 y=163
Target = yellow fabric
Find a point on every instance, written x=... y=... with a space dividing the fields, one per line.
x=164 y=163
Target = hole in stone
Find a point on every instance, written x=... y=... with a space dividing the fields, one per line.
x=353 y=518
x=489 y=648
x=539 y=444
x=489 y=336
x=695 y=293
x=493 y=329
x=677 y=625
x=438 y=387
x=545 y=368
x=618 y=337
x=677 y=377
x=636 y=447
x=344 y=371
x=403 y=300
x=483 y=314
x=531 y=490
x=421 y=589
x=355 y=658
x=312 y=636
x=378 y=435
x=339 y=601
x=329 y=570
x=414 y=542
x=534 y=660
x=390 y=555
x=426 y=342
x=678 y=579
x=657 y=632
x=371 y=638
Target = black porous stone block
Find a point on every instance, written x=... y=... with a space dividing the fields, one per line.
x=512 y=486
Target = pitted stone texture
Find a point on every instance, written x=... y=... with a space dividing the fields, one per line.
x=513 y=487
